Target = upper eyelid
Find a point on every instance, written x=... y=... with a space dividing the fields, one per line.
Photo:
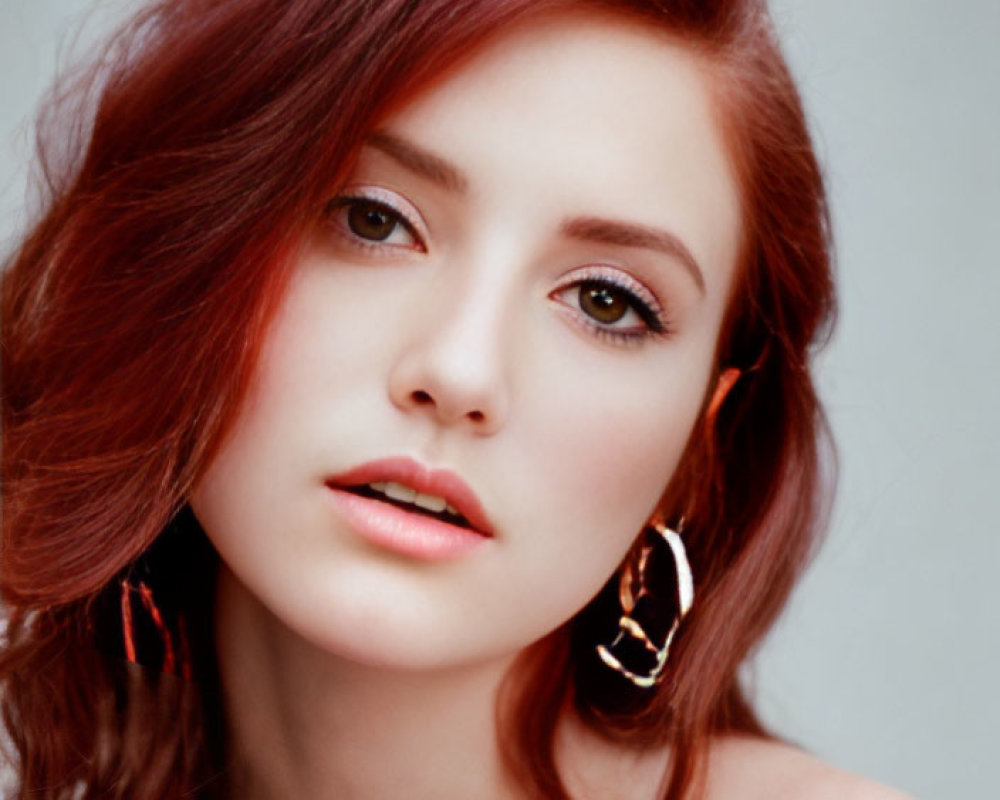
x=616 y=276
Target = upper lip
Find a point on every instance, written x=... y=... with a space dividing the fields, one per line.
x=426 y=480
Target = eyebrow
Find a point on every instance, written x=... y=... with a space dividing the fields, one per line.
x=589 y=229
x=628 y=234
x=420 y=161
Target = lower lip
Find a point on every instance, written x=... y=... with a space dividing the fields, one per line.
x=404 y=532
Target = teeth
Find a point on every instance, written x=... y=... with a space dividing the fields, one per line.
x=397 y=491
x=404 y=494
x=430 y=502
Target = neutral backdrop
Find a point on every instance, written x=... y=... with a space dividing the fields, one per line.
x=882 y=663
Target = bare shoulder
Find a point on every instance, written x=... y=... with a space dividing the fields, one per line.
x=745 y=768
x=739 y=768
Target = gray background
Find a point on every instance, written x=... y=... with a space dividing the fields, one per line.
x=882 y=662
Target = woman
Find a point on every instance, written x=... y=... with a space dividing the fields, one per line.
x=362 y=345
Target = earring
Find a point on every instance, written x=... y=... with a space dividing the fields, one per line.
x=132 y=633
x=645 y=584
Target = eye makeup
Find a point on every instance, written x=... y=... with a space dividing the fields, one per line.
x=603 y=299
x=613 y=305
x=371 y=217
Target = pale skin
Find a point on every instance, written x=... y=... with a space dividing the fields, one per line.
x=570 y=154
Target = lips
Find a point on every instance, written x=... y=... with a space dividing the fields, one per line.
x=392 y=481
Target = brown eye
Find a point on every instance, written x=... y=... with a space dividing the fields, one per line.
x=372 y=221
x=602 y=302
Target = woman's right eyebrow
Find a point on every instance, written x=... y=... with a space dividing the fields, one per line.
x=419 y=161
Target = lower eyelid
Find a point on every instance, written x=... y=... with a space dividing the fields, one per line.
x=615 y=334
x=619 y=337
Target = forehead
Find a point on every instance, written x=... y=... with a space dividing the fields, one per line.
x=590 y=114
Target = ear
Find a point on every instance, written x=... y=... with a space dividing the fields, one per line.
x=727 y=379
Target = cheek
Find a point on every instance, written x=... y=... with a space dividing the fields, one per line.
x=603 y=451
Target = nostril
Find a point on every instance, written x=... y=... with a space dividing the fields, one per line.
x=421 y=398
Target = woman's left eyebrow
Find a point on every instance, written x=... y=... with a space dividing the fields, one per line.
x=420 y=161
x=630 y=234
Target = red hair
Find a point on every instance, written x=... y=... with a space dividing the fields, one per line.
x=134 y=311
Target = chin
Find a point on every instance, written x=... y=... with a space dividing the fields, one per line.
x=374 y=629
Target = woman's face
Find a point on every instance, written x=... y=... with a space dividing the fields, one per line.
x=513 y=306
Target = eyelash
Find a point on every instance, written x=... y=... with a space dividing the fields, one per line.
x=383 y=205
x=640 y=300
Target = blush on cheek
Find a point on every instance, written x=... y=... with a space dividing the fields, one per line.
x=614 y=453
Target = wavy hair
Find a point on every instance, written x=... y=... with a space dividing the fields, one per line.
x=209 y=135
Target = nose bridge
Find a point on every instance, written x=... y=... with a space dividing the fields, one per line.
x=454 y=367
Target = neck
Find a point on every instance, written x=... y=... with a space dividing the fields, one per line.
x=305 y=723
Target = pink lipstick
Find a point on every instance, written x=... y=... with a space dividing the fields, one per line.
x=404 y=506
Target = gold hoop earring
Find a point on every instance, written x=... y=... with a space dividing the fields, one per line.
x=644 y=581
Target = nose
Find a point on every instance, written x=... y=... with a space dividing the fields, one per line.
x=452 y=369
